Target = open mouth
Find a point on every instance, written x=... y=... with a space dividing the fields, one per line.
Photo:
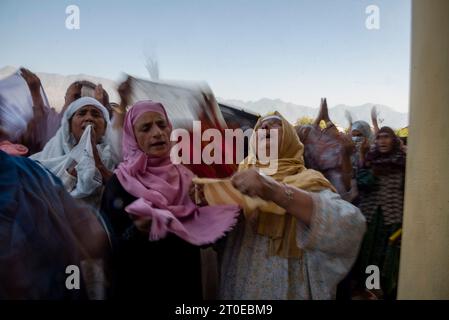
x=158 y=144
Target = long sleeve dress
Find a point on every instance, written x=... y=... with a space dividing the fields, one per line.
x=331 y=244
x=167 y=269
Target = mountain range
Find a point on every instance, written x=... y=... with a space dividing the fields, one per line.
x=387 y=116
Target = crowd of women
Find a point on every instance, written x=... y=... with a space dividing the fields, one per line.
x=103 y=195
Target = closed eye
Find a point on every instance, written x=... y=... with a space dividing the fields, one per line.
x=161 y=124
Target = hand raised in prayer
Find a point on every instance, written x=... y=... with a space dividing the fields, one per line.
x=72 y=170
x=253 y=184
x=374 y=114
x=105 y=173
x=124 y=90
x=32 y=80
x=99 y=93
x=34 y=84
x=73 y=92
x=324 y=113
x=94 y=140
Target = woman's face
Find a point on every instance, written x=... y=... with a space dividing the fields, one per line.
x=85 y=116
x=384 y=142
x=264 y=140
x=356 y=133
x=357 y=137
x=152 y=133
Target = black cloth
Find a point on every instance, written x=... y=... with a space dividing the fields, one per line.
x=167 y=269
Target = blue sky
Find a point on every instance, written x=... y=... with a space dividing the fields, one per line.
x=294 y=50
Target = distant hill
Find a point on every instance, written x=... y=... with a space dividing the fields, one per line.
x=55 y=86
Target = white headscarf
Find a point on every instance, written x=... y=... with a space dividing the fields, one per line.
x=60 y=152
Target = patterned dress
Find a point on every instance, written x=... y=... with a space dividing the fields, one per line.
x=382 y=204
x=330 y=245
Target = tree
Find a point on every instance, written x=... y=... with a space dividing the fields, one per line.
x=402 y=132
x=304 y=121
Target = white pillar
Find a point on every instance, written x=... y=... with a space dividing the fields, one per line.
x=424 y=270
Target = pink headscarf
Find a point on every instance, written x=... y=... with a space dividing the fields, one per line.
x=162 y=189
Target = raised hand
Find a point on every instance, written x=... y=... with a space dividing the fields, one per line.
x=105 y=173
x=374 y=114
x=73 y=93
x=124 y=90
x=72 y=170
x=94 y=141
x=323 y=113
x=34 y=84
x=99 y=93
x=32 y=80
x=324 y=110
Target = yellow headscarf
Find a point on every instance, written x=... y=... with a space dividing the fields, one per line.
x=273 y=221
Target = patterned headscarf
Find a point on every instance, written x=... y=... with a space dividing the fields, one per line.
x=384 y=163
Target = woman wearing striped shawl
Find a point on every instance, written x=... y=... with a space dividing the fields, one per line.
x=382 y=183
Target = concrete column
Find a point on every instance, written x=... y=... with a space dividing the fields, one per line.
x=424 y=270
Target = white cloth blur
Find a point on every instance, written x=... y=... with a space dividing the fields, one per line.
x=16 y=105
x=183 y=101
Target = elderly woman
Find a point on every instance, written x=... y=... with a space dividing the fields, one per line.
x=156 y=226
x=81 y=153
x=298 y=238
x=382 y=205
